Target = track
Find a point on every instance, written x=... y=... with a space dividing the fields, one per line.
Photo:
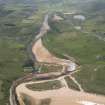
x=64 y=95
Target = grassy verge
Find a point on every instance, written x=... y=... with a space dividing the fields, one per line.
x=1 y=93
x=48 y=68
x=45 y=102
x=50 y=85
x=92 y=78
x=71 y=84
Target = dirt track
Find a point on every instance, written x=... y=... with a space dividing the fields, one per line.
x=62 y=96
x=43 y=55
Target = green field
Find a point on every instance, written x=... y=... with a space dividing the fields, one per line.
x=48 y=68
x=50 y=85
x=15 y=36
x=71 y=84
x=1 y=93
